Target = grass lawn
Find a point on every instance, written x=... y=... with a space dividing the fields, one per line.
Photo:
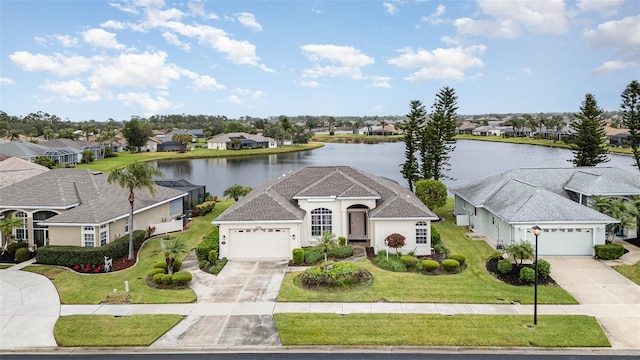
x=107 y=330
x=632 y=272
x=357 y=138
x=76 y=288
x=125 y=158
x=531 y=141
x=473 y=285
x=5 y=266
x=439 y=330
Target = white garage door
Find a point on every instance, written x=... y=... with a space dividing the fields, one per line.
x=259 y=243
x=565 y=242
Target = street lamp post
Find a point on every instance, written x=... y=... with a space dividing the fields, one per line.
x=536 y=231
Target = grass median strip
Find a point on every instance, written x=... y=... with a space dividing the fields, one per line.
x=107 y=330
x=632 y=272
x=75 y=288
x=439 y=330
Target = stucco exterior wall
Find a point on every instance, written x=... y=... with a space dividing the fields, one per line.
x=141 y=221
x=216 y=145
x=65 y=235
x=406 y=228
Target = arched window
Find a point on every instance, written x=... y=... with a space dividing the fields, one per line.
x=422 y=233
x=320 y=221
x=21 y=231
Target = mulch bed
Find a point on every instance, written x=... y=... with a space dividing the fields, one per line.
x=513 y=277
x=635 y=241
x=124 y=262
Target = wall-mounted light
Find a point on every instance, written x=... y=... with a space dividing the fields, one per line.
x=293 y=237
x=224 y=239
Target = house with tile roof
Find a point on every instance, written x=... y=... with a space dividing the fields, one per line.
x=79 y=207
x=240 y=140
x=504 y=207
x=294 y=210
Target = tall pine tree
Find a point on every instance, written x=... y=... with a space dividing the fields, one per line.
x=439 y=135
x=590 y=143
x=630 y=108
x=415 y=121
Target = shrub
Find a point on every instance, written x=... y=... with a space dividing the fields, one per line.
x=544 y=268
x=155 y=271
x=496 y=255
x=177 y=264
x=435 y=237
x=432 y=193
x=440 y=248
x=213 y=256
x=161 y=265
x=609 y=251
x=450 y=265
x=215 y=270
x=181 y=278
x=298 y=256
x=166 y=279
x=204 y=264
x=157 y=278
x=409 y=261
x=313 y=255
x=340 y=252
x=430 y=265
x=527 y=274
x=504 y=266
x=22 y=254
x=333 y=275
x=210 y=242
x=72 y=255
x=11 y=248
x=393 y=264
x=342 y=240
x=204 y=208
x=395 y=241
x=460 y=258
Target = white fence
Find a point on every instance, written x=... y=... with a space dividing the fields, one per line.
x=166 y=227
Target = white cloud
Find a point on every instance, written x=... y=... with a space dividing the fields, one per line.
x=249 y=20
x=234 y=99
x=125 y=6
x=450 y=63
x=527 y=71
x=57 y=63
x=349 y=61
x=623 y=36
x=71 y=91
x=113 y=24
x=173 y=39
x=206 y=82
x=6 y=81
x=380 y=81
x=390 y=8
x=66 y=40
x=614 y=65
x=309 y=83
x=101 y=38
x=508 y=18
x=150 y=105
x=604 y=7
x=435 y=17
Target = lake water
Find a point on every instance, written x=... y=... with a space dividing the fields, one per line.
x=470 y=160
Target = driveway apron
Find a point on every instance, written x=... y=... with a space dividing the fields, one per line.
x=613 y=299
x=234 y=308
x=29 y=309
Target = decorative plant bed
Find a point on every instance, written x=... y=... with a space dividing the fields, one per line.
x=513 y=277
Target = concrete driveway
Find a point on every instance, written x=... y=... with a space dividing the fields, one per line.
x=613 y=299
x=234 y=308
x=29 y=309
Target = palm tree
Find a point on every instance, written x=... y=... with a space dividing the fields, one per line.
x=135 y=176
x=624 y=211
x=7 y=225
x=14 y=135
x=172 y=249
x=327 y=242
x=383 y=123
x=520 y=250
x=236 y=191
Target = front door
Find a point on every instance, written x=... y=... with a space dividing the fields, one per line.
x=357 y=225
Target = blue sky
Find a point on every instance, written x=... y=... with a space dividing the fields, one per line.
x=85 y=60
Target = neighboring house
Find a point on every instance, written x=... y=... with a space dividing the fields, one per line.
x=195 y=193
x=79 y=207
x=171 y=146
x=294 y=210
x=466 y=128
x=30 y=151
x=504 y=207
x=13 y=170
x=488 y=131
x=152 y=144
x=619 y=139
x=75 y=146
x=387 y=130
x=520 y=132
x=240 y=140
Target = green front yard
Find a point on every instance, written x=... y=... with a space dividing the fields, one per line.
x=632 y=272
x=473 y=285
x=439 y=330
x=76 y=288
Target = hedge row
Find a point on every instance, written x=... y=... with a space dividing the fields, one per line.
x=72 y=255
x=609 y=251
x=210 y=242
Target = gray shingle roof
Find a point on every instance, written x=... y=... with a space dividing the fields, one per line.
x=87 y=195
x=22 y=149
x=13 y=170
x=223 y=138
x=277 y=199
x=539 y=195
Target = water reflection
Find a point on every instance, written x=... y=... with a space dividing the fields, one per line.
x=470 y=160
